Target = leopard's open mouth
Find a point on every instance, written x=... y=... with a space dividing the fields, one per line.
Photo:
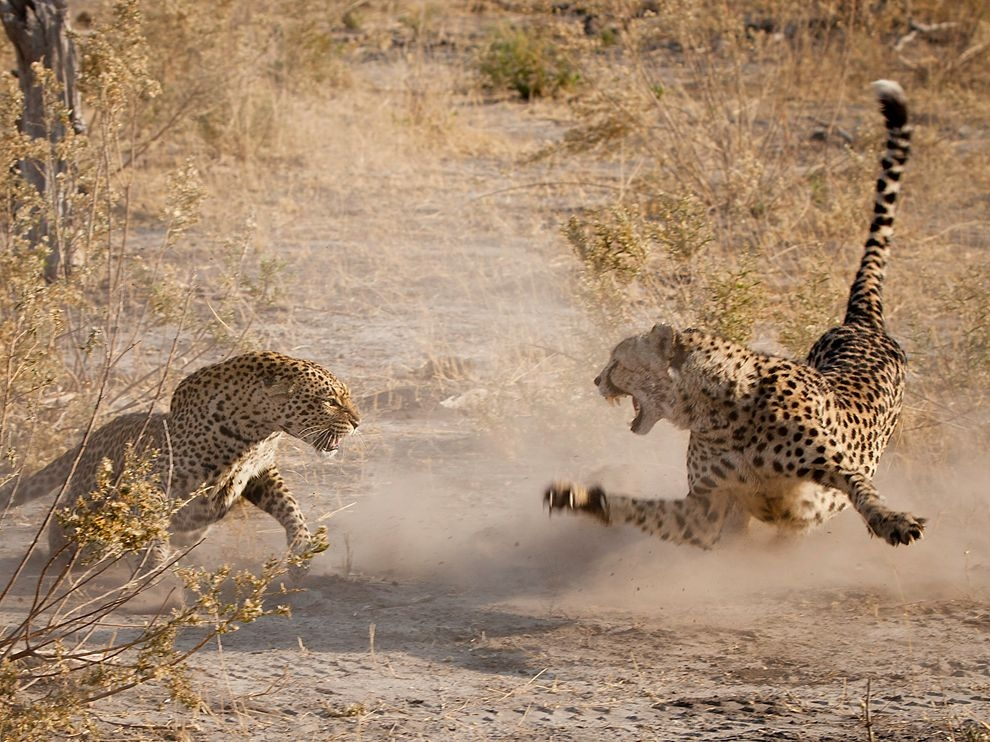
x=327 y=442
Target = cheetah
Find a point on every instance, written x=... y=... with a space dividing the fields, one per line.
x=786 y=442
x=214 y=446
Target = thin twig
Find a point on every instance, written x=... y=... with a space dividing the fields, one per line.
x=866 y=714
x=524 y=685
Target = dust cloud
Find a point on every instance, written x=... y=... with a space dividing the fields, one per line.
x=488 y=280
x=477 y=525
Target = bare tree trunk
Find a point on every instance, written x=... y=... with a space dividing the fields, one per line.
x=39 y=31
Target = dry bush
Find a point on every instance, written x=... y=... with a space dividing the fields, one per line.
x=90 y=345
x=59 y=339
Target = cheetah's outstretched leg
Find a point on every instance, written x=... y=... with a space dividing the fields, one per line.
x=893 y=527
x=697 y=519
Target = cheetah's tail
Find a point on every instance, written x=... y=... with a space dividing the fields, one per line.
x=866 y=295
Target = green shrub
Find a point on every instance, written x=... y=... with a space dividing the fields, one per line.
x=527 y=62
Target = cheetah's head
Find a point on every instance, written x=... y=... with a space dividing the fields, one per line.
x=644 y=367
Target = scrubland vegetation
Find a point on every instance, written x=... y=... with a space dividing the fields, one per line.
x=713 y=169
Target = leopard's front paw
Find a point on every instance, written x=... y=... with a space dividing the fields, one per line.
x=302 y=548
x=898 y=528
x=567 y=496
x=296 y=572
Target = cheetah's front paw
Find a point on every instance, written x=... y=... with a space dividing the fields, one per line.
x=567 y=496
x=898 y=528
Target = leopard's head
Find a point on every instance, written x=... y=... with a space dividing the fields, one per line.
x=247 y=399
x=645 y=368
x=308 y=402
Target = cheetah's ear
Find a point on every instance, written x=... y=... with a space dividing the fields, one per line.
x=669 y=344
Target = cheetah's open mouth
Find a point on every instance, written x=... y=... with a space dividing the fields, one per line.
x=637 y=407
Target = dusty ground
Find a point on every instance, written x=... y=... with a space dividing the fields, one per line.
x=432 y=277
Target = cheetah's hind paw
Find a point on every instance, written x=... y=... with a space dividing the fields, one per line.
x=899 y=528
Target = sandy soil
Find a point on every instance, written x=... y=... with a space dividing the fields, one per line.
x=433 y=279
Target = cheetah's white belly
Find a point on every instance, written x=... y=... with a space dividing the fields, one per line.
x=792 y=504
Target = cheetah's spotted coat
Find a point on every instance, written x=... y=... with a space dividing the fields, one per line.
x=786 y=442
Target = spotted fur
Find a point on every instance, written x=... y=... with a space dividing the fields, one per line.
x=218 y=439
x=786 y=442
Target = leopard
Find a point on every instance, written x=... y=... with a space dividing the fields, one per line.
x=214 y=447
x=787 y=442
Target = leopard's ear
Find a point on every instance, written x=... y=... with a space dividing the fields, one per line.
x=669 y=344
x=278 y=387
